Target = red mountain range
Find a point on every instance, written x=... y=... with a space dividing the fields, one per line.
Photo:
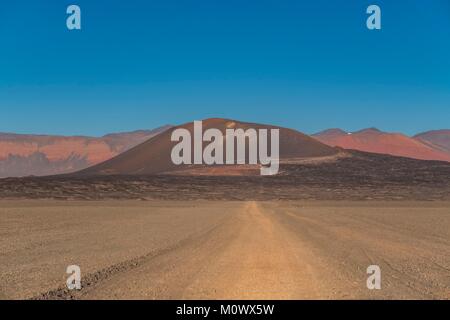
x=431 y=145
x=23 y=155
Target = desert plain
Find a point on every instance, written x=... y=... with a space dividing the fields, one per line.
x=197 y=249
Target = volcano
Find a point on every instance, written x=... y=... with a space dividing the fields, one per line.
x=154 y=155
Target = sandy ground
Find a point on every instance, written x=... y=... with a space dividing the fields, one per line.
x=225 y=250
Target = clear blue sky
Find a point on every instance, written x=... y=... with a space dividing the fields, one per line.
x=308 y=65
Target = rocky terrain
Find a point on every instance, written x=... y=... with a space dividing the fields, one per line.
x=355 y=176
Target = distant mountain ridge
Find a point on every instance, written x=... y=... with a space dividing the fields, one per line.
x=28 y=154
x=431 y=145
x=439 y=138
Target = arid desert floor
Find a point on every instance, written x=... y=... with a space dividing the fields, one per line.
x=224 y=249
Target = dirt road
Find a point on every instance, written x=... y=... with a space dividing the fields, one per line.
x=243 y=250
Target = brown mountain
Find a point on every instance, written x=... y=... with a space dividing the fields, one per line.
x=24 y=154
x=376 y=141
x=154 y=155
x=437 y=138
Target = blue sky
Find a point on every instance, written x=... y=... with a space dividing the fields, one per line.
x=305 y=65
